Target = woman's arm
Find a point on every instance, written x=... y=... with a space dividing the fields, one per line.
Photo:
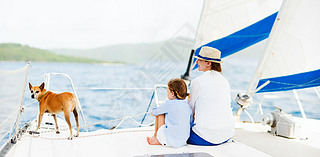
x=194 y=93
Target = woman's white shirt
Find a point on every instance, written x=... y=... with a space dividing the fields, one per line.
x=211 y=103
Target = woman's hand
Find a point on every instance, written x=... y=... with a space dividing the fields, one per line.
x=193 y=117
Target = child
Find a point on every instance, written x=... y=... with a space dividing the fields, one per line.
x=173 y=118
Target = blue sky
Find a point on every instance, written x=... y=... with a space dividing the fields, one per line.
x=93 y=23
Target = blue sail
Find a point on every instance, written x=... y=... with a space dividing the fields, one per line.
x=243 y=38
x=290 y=82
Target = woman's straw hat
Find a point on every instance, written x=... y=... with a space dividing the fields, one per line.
x=209 y=54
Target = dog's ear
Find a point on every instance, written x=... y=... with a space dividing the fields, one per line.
x=42 y=86
x=30 y=86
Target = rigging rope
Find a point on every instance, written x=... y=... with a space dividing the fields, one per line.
x=108 y=121
x=93 y=135
x=103 y=122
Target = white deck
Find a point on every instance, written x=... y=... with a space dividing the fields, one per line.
x=256 y=136
x=250 y=140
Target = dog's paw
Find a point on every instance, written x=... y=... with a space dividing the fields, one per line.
x=70 y=138
x=57 y=132
x=77 y=135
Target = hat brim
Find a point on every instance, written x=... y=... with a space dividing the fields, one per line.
x=208 y=60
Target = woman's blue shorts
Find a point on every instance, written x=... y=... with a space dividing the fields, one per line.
x=197 y=140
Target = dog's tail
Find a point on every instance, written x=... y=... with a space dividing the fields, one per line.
x=77 y=106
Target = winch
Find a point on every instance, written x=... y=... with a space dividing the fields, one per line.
x=282 y=124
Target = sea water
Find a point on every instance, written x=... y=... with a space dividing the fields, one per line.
x=113 y=91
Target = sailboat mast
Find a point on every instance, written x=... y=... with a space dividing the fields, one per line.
x=186 y=75
x=190 y=66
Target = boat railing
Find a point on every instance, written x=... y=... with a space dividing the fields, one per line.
x=47 y=86
x=155 y=97
x=295 y=98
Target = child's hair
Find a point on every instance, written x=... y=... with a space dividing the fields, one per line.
x=179 y=87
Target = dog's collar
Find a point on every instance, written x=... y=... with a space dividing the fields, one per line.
x=42 y=95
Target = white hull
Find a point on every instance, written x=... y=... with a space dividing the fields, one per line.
x=249 y=140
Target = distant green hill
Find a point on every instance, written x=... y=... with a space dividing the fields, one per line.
x=135 y=53
x=140 y=52
x=18 y=52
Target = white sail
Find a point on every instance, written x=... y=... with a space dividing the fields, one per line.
x=12 y=90
x=291 y=58
x=232 y=25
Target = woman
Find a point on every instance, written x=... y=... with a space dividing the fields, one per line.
x=210 y=102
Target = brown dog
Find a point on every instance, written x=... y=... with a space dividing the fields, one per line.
x=50 y=102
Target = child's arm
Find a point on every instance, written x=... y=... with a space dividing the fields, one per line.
x=162 y=109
